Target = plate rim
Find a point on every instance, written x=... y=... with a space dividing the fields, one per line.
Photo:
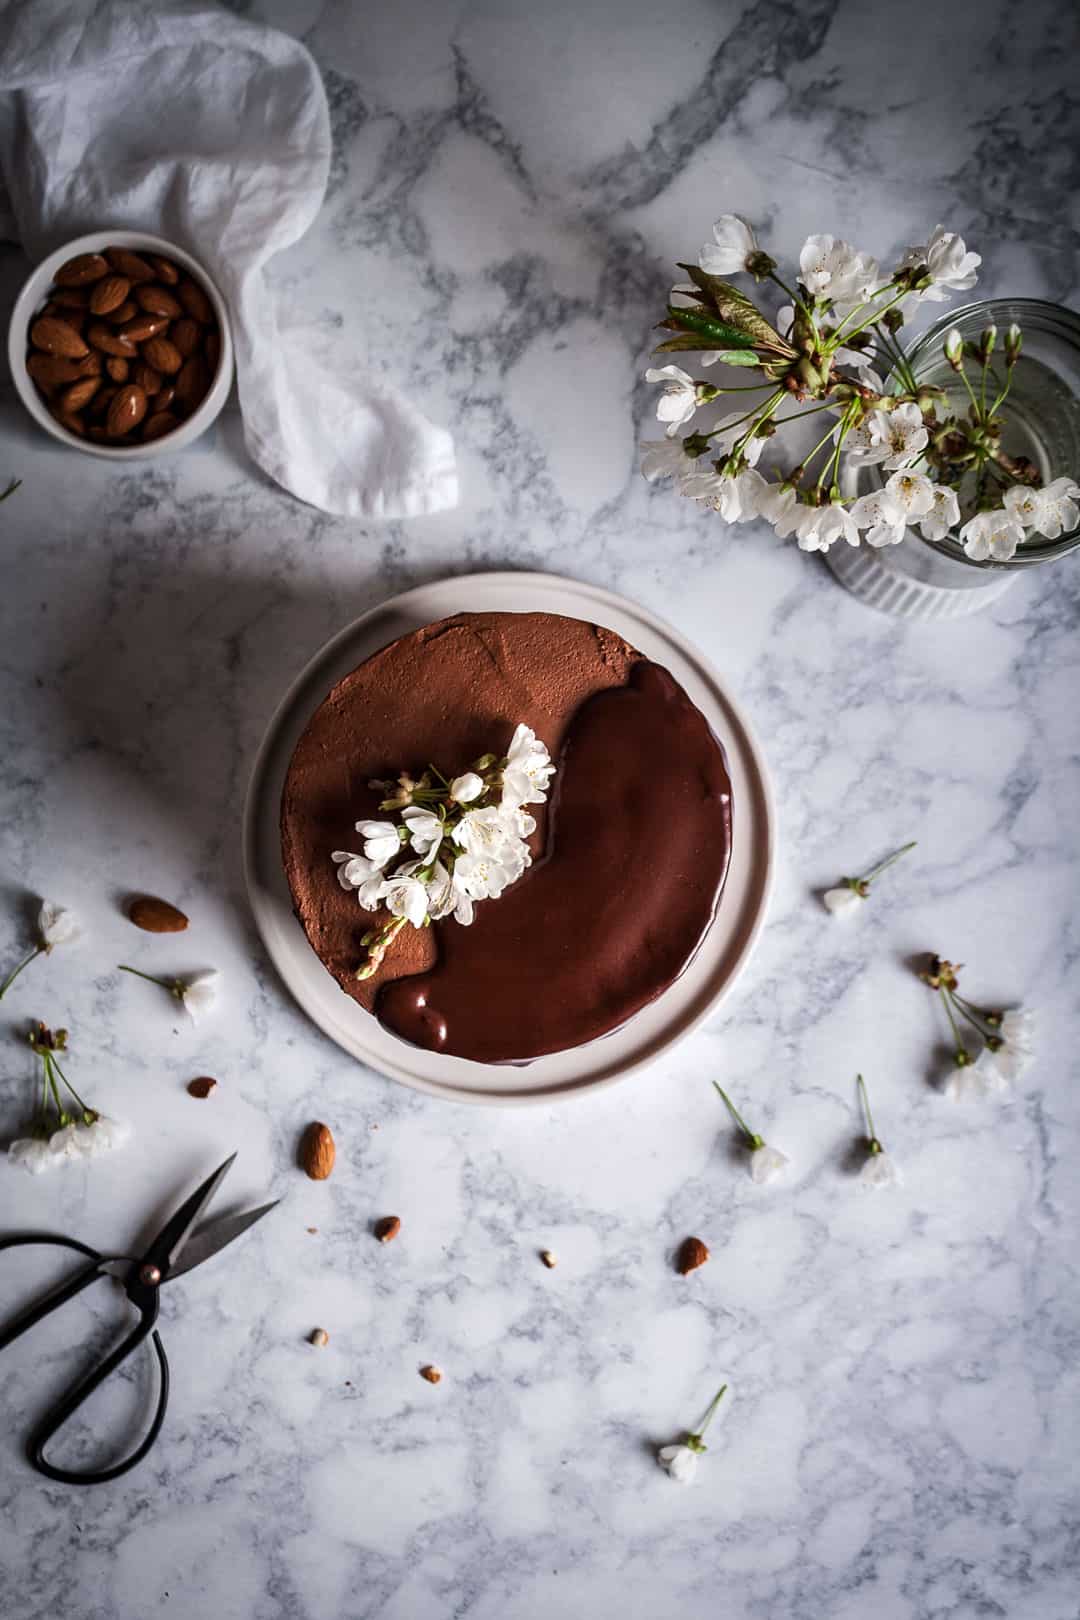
x=523 y=582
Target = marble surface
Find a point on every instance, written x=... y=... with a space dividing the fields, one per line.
x=509 y=187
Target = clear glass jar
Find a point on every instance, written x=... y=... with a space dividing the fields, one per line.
x=926 y=579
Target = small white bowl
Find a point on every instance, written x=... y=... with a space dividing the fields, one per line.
x=33 y=297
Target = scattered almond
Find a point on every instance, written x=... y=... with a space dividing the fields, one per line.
x=204 y=1086
x=156 y=916
x=432 y=1374
x=117 y=368
x=692 y=1254
x=161 y=354
x=126 y=411
x=123 y=313
x=156 y=301
x=129 y=264
x=110 y=340
x=550 y=1260
x=79 y=393
x=387 y=1229
x=317 y=1151
x=319 y=1336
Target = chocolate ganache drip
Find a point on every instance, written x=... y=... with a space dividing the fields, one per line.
x=638 y=839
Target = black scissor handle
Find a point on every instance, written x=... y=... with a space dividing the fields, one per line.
x=58 y=1415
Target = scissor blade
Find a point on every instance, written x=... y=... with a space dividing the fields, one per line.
x=208 y=1240
x=168 y=1246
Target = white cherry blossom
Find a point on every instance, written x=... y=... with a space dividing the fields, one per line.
x=905 y=437
x=882 y=518
x=425 y=830
x=681 y=1462
x=467 y=787
x=831 y=268
x=381 y=841
x=1051 y=511
x=842 y=902
x=198 y=993
x=736 y=499
x=820 y=526
x=679 y=398
x=994 y=535
x=766 y=1163
x=1018 y=1026
x=912 y=491
x=779 y=505
x=880 y=1170
x=732 y=245
x=666 y=458
x=528 y=770
x=949 y=264
x=943 y=516
x=357 y=872
x=56 y=925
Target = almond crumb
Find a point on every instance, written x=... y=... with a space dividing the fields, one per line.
x=432 y=1374
x=204 y=1086
x=549 y=1258
x=387 y=1229
x=319 y=1336
x=692 y=1254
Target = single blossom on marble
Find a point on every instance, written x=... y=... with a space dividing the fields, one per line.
x=55 y=926
x=1005 y=1038
x=766 y=1162
x=733 y=248
x=680 y=1461
x=197 y=993
x=845 y=899
x=879 y=1169
x=680 y=398
x=64 y=1128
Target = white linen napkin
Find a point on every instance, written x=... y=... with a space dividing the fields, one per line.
x=187 y=122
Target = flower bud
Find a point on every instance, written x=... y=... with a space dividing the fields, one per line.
x=892 y=320
x=954 y=349
x=986 y=343
x=1014 y=341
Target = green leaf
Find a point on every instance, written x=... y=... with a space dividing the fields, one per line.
x=729 y=357
x=734 y=308
x=696 y=320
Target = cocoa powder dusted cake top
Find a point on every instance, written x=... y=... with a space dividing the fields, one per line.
x=629 y=853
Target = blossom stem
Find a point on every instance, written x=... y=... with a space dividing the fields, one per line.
x=864 y=1095
x=841 y=337
x=756 y=411
x=166 y=984
x=795 y=299
x=820 y=445
x=752 y=1137
x=957 y=1037
x=975 y=1017
x=875 y=871
x=711 y=1412
x=54 y=1064
x=39 y=950
x=898 y=360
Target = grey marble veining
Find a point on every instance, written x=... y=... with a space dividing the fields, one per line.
x=510 y=187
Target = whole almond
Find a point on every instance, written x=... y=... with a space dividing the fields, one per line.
x=101 y=401
x=195 y=301
x=129 y=264
x=71 y=317
x=52 y=371
x=156 y=301
x=156 y=426
x=69 y=420
x=156 y=916
x=57 y=337
x=123 y=313
x=192 y=383
x=388 y=1228
x=165 y=270
x=317 y=1151
x=145 y=326
x=162 y=355
x=110 y=340
x=164 y=398
x=70 y=297
x=118 y=369
x=126 y=411
x=692 y=1254
x=204 y=1086
x=147 y=378
x=84 y=267
x=90 y=365
x=185 y=334
x=79 y=393
x=108 y=294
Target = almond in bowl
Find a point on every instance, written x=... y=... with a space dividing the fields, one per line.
x=120 y=346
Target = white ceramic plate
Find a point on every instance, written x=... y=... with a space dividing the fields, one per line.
x=723 y=953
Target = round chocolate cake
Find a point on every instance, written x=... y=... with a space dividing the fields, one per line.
x=630 y=850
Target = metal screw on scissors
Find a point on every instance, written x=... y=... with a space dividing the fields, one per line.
x=177 y=1248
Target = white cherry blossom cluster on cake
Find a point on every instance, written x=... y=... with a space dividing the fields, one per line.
x=449 y=843
x=943 y=468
